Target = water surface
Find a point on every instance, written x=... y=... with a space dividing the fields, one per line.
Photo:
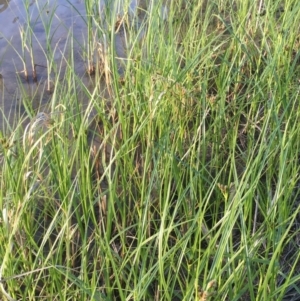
x=33 y=33
x=23 y=36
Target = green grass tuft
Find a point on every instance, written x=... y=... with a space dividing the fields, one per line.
x=175 y=175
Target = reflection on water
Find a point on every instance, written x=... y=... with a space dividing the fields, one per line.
x=25 y=48
x=35 y=34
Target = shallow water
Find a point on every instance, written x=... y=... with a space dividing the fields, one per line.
x=23 y=46
x=66 y=20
